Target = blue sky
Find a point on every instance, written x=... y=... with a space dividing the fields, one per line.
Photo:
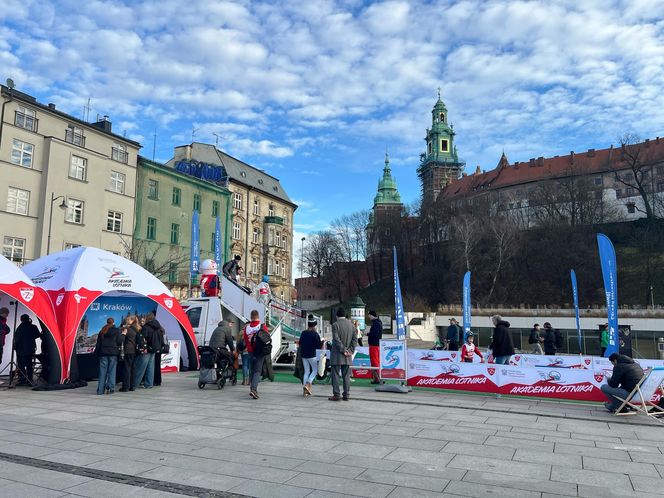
x=314 y=92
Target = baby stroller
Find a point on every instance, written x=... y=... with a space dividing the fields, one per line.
x=216 y=367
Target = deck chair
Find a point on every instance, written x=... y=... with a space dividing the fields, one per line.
x=639 y=399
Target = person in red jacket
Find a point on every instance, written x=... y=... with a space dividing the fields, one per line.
x=257 y=359
x=469 y=350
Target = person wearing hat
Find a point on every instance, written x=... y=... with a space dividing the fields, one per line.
x=4 y=329
x=25 y=343
x=469 y=350
x=374 y=337
x=454 y=335
x=309 y=343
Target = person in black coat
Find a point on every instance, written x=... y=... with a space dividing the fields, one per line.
x=129 y=331
x=626 y=375
x=550 y=342
x=25 y=344
x=156 y=337
x=501 y=343
x=109 y=340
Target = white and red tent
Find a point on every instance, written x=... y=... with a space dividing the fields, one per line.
x=76 y=277
x=20 y=295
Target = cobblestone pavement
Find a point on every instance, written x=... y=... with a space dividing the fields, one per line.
x=177 y=440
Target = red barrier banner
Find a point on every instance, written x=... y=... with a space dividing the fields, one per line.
x=542 y=361
x=478 y=377
x=549 y=382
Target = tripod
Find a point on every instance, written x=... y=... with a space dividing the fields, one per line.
x=13 y=367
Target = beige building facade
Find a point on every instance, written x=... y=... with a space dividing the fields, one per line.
x=64 y=182
x=261 y=230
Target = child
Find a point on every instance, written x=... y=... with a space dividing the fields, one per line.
x=469 y=350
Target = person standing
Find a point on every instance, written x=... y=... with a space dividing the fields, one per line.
x=109 y=341
x=626 y=375
x=358 y=332
x=230 y=268
x=550 y=340
x=501 y=342
x=309 y=343
x=129 y=333
x=141 y=358
x=536 y=340
x=603 y=338
x=454 y=335
x=374 y=337
x=4 y=330
x=344 y=342
x=25 y=343
x=154 y=335
x=257 y=348
x=469 y=350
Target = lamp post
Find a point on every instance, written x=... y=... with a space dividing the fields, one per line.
x=63 y=205
x=299 y=297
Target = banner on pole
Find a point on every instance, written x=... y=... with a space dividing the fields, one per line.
x=218 y=257
x=398 y=302
x=393 y=360
x=607 y=257
x=575 y=296
x=466 y=305
x=195 y=259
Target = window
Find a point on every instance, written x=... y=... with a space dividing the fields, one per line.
x=212 y=243
x=278 y=239
x=283 y=270
x=114 y=222
x=175 y=198
x=119 y=153
x=18 y=200
x=197 y=203
x=270 y=237
x=444 y=145
x=257 y=234
x=598 y=181
x=285 y=217
x=618 y=192
x=215 y=208
x=22 y=153
x=175 y=233
x=631 y=208
x=269 y=266
x=71 y=245
x=237 y=200
x=237 y=230
x=442 y=117
x=254 y=265
x=257 y=207
x=429 y=147
x=25 y=118
x=153 y=189
x=77 y=168
x=117 y=182
x=629 y=191
x=74 y=135
x=152 y=229
x=13 y=249
x=270 y=211
x=74 y=211
x=194 y=314
x=172 y=278
x=660 y=186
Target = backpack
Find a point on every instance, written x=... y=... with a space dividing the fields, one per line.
x=262 y=342
x=141 y=343
x=559 y=339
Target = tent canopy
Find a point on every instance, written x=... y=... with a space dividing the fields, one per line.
x=74 y=278
x=16 y=284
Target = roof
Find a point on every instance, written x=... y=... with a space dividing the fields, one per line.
x=237 y=170
x=29 y=99
x=590 y=162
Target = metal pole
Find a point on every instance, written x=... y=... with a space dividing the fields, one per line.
x=11 y=360
x=652 y=298
x=50 y=223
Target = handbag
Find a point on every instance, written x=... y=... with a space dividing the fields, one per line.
x=321 y=364
x=165 y=348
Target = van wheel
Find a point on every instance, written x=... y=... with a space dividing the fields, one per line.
x=201 y=385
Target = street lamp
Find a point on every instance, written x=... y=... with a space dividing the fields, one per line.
x=299 y=290
x=63 y=205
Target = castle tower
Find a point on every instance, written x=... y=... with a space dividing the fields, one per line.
x=387 y=200
x=440 y=164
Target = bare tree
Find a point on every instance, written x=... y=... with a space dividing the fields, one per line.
x=154 y=258
x=640 y=172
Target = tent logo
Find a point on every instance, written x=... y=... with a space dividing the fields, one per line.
x=599 y=377
x=46 y=274
x=94 y=307
x=168 y=302
x=58 y=300
x=77 y=298
x=491 y=370
x=27 y=294
x=117 y=278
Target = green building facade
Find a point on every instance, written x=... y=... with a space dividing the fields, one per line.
x=165 y=202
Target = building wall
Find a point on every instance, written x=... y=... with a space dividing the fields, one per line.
x=261 y=254
x=49 y=174
x=170 y=261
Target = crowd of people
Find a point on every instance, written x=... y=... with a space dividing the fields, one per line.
x=137 y=347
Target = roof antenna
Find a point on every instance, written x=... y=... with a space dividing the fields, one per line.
x=438 y=93
x=193 y=132
x=154 y=143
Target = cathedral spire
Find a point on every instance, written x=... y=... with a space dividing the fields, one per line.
x=387 y=186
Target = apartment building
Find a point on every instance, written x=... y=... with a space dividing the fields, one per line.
x=64 y=182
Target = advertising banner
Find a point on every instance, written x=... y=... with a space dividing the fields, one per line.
x=398 y=302
x=393 y=360
x=171 y=362
x=562 y=383
x=361 y=360
x=607 y=256
x=478 y=377
x=218 y=257
x=466 y=305
x=575 y=297
x=195 y=259
x=538 y=360
x=104 y=307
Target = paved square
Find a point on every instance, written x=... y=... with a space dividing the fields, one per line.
x=179 y=440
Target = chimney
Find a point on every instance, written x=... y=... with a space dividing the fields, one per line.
x=531 y=163
x=478 y=170
x=516 y=165
x=51 y=106
x=657 y=140
x=187 y=152
x=103 y=124
x=464 y=175
x=540 y=161
x=591 y=153
x=571 y=157
x=647 y=142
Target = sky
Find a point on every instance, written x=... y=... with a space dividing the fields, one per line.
x=315 y=92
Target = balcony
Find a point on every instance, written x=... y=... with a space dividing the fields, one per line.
x=277 y=220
